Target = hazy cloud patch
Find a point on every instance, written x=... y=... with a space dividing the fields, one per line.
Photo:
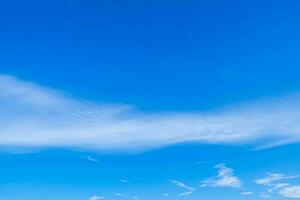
x=34 y=116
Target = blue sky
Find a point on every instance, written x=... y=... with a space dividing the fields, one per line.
x=149 y=100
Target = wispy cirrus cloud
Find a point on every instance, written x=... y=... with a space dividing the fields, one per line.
x=35 y=116
x=91 y=159
x=246 y=193
x=96 y=197
x=125 y=181
x=224 y=178
x=189 y=190
x=271 y=178
x=274 y=182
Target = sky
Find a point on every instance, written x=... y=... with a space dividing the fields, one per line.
x=144 y=100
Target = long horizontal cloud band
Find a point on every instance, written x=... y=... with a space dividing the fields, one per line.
x=35 y=116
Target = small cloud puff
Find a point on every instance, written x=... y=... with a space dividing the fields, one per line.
x=225 y=178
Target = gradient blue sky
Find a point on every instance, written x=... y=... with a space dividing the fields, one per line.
x=175 y=65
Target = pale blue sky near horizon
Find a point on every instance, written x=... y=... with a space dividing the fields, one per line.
x=233 y=65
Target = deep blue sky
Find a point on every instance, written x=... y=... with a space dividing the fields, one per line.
x=157 y=56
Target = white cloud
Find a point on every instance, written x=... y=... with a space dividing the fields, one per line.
x=225 y=178
x=273 y=182
x=246 y=193
x=180 y=184
x=280 y=185
x=185 y=193
x=276 y=186
x=91 y=159
x=96 y=197
x=125 y=181
x=290 y=192
x=120 y=194
x=35 y=116
x=274 y=177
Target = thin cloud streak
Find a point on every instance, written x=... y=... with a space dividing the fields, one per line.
x=189 y=190
x=125 y=181
x=273 y=177
x=96 y=197
x=246 y=193
x=91 y=159
x=37 y=117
